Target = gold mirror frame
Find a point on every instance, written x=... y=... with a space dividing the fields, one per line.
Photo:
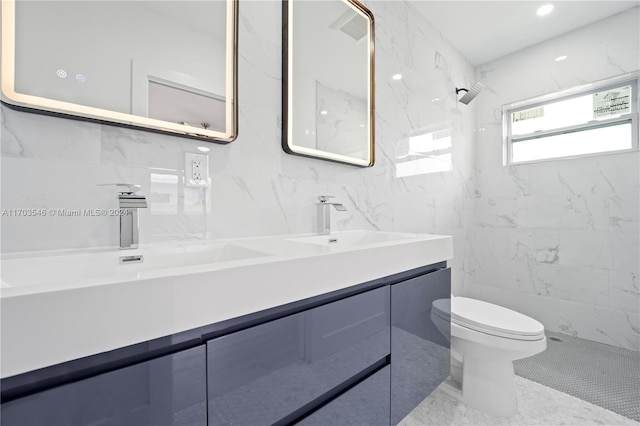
x=30 y=103
x=288 y=144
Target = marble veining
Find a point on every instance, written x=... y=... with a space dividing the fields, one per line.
x=522 y=233
x=558 y=240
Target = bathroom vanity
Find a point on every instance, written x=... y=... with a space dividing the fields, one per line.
x=278 y=330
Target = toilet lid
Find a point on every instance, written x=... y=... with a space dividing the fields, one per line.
x=496 y=320
x=488 y=318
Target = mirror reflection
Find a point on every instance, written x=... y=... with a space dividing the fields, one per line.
x=164 y=65
x=328 y=99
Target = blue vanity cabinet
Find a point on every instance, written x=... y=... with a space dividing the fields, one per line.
x=170 y=390
x=276 y=372
x=367 y=354
x=365 y=404
x=420 y=352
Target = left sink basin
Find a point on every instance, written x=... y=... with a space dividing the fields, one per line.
x=27 y=269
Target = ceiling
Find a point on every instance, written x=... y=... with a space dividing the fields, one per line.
x=486 y=30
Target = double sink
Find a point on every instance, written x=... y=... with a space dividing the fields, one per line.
x=61 y=269
x=63 y=305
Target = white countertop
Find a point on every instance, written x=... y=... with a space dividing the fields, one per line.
x=62 y=305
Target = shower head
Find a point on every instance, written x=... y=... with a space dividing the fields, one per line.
x=471 y=93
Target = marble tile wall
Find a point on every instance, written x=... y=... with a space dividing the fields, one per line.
x=559 y=240
x=256 y=189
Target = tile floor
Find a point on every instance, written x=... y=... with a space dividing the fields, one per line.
x=604 y=375
x=537 y=405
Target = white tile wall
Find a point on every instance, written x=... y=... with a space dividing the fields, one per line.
x=556 y=240
x=559 y=240
x=256 y=189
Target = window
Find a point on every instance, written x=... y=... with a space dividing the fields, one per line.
x=593 y=119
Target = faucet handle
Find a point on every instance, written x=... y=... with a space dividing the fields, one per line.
x=324 y=198
x=131 y=188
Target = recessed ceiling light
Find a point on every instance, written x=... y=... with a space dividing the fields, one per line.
x=324 y=112
x=397 y=76
x=435 y=100
x=544 y=10
x=203 y=149
x=560 y=58
x=81 y=78
x=61 y=73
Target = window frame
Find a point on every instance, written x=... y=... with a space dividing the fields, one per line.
x=629 y=79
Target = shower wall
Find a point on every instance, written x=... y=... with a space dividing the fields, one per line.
x=559 y=240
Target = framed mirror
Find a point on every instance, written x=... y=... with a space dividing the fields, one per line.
x=160 y=65
x=328 y=81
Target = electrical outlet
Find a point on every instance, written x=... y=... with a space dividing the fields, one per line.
x=196 y=170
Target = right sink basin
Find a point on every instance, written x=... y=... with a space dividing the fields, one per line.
x=355 y=238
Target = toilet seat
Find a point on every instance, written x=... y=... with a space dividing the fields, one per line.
x=485 y=339
x=488 y=318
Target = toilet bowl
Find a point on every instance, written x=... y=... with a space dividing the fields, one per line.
x=485 y=340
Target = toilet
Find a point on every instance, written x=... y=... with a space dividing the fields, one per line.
x=485 y=340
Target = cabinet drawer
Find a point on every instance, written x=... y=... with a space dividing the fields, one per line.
x=260 y=375
x=366 y=404
x=170 y=390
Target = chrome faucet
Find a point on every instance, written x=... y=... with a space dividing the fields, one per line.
x=129 y=204
x=324 y=213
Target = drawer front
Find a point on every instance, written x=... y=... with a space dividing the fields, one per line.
x=260 y=375
x=366 y=404
x=420 y=351
x=170 y=390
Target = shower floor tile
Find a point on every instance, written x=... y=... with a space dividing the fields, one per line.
x=537 y=405
x=604 y=375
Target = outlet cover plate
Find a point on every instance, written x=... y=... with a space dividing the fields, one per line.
x=196 y=170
